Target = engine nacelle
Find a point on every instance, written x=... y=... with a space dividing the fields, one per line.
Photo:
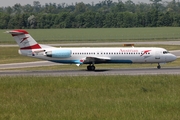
x=59 y=53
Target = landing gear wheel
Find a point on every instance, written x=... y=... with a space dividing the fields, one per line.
x=91 y=68
x=158 y=67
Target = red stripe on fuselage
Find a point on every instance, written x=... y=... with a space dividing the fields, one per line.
x=36 y=46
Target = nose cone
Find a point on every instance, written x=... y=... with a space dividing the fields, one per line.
x=171 y=58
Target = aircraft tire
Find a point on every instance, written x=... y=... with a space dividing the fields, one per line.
x=158 y=67
x=91 y=68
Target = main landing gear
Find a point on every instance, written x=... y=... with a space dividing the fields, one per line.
x=158 y=67
x=91 y=67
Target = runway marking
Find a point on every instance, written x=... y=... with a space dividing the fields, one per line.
x=27 y=64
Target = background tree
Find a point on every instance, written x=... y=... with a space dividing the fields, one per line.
x=106 y=13
x=4 y=20
x=32 y=21
x=36 y=6
x=80 y=8
x=130 y=6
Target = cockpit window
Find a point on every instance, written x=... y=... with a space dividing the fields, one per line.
x=165 y=52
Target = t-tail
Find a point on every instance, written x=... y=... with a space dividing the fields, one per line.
x=24 y=40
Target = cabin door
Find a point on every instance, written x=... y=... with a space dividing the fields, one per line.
x=157 y=55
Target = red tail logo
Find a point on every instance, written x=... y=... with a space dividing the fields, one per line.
x=23 y=39
x=145 y=51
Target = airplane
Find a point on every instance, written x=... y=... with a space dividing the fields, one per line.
x=91 y=56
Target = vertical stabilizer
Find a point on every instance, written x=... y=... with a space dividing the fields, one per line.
x=24 y=40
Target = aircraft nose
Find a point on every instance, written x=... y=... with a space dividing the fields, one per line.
x=172 y=57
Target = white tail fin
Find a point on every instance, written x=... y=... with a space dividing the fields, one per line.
x=24 y=39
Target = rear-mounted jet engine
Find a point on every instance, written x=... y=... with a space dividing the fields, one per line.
x=59 y=53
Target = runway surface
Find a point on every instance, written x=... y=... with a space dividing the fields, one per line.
x=83 y=72
x=27 y=64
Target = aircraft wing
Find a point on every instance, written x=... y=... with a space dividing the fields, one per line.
x=96 y=59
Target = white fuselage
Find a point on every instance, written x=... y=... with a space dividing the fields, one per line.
x=103 y=55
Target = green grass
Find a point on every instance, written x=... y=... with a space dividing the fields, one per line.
x=98 y=35
x=90 y=98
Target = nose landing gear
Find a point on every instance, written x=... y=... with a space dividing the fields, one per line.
x=159 y=66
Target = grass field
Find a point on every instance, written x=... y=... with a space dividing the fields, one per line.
x=100 y=35
x=90 y=98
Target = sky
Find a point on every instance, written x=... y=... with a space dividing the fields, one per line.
x=5 y=3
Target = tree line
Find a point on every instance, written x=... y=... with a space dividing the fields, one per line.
x=105 y=14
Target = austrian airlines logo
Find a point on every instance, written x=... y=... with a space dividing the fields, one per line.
x=145 y=51
x=23 y=39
